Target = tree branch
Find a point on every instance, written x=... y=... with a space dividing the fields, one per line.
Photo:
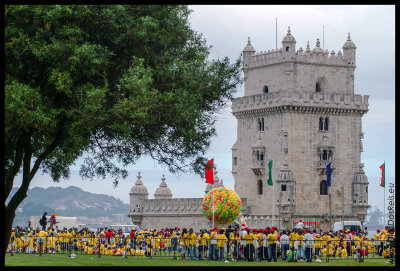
x=46 y=153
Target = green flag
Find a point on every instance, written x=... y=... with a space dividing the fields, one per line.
x=382 y=167
x=270 y=173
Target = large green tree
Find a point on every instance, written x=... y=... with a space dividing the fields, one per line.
x=108 y=84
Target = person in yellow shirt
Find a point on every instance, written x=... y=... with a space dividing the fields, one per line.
x=300 y=248
x=293 y=237
x=343 y=253
x=221 y=244
x=191 y=242
x=41 y=241
x=383 y=239
x=52 y=242
x=213 y=253
x=249 y=248
x=260 y=241
x=272 y=237
x=184 y=241
x=317 y=244
x=203 y=240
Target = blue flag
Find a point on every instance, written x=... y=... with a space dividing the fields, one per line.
x=328 y=174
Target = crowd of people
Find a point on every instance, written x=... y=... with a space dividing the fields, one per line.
x=220 y=244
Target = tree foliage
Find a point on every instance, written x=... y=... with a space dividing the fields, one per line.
x=109 y=83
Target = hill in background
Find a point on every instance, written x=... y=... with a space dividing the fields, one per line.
x=90 y=208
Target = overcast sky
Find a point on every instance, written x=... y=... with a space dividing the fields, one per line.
x=226 y=28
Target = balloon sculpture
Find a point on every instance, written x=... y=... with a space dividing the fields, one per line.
x=227 y=205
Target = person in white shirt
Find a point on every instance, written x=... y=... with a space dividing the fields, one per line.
x=284 y=241
x=300 y=225
x=308 y=241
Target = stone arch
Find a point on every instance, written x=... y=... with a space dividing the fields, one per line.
x=321 y=84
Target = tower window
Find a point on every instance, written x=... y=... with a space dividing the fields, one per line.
x=283 y=187
x=317 y=87
x=262 y=156
x=261 y=124
x=321 y=123
x=326 y=124
x=260 y=187
x=324 y=155
x=234 y=161
x=265 y=89
x=287 y=48
x=366 y=189
x=323 y=188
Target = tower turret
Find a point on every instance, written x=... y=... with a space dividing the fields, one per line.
x=349 y=51
x=138 y=196
x=289 y=46
x=163 y=192
x=248 y=51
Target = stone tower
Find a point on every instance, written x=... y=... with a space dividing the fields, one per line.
x=299 y=110
x=138 y=196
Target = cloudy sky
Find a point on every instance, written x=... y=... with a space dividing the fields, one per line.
x=227 y=28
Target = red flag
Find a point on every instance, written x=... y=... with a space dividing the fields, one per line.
x=210 y=172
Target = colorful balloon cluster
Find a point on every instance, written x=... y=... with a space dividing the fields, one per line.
x=227 y=205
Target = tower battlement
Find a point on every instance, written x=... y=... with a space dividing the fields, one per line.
x=271 y=57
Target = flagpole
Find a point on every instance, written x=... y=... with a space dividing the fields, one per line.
x=273 y=196
x=213 y=206
x=213 y=196
x=384 y=196
x=343 y=206
x=330 y=209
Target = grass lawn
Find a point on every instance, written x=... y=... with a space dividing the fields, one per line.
x=89 y=260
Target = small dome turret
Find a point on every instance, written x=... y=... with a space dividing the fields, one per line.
x=317 y=48
x=248 y=47
x=349 y=44
x=360 y=176
x=139 y=188
x=289 y=37
x=163 y=192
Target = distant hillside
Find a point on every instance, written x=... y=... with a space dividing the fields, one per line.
x=70 y=201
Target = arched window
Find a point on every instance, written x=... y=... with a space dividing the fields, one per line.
x=323 y=188
x=326 y=125
x=262 y=156
x=321 y=123
x=261 y=124
x=260 y=187
x=317 y=87
x=258 y=155
x=366 y=189
x=265 y=89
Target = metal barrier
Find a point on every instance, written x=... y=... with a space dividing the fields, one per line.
x=206 y=249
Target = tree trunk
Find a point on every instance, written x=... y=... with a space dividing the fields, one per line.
x=15 y=201
x=9 y=218
x=21 y=194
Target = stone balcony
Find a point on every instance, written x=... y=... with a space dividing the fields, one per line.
x=321 y=164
